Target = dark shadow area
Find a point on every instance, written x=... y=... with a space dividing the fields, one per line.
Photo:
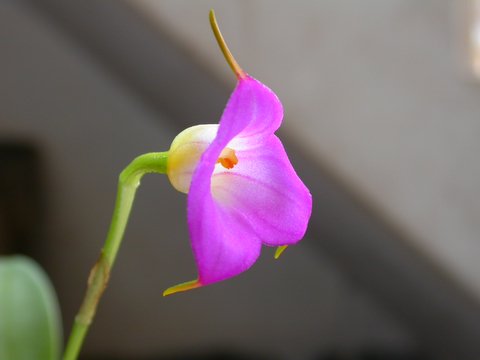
x=197 y=355
x=375 y=355
x=21 y=205
x=239 y=355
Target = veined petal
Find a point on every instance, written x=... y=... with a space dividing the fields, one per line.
x=223 y=242
x=265 y=191
x=253 y=112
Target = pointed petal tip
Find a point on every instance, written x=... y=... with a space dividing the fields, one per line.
x=237 y=70
x=189 y=285
x=279 y=251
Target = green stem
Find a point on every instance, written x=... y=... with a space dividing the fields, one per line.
x=128 y=183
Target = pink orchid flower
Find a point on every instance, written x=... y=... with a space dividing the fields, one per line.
x=242 y=189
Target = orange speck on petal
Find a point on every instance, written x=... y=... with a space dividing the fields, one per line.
x=227 y=158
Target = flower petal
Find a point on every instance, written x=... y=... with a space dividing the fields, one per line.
x=252 y=113
x=223 y=242
x=264 y=189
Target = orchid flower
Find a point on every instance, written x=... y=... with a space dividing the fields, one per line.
x=242 y=189
x=242 y=193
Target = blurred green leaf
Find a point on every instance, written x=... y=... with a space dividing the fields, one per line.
x=29 y=314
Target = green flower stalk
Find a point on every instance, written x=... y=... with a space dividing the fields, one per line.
x=128 y=183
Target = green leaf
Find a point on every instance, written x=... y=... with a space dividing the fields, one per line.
x=29 y=312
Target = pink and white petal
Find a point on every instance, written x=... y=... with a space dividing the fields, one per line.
x=223 y=243
x=264 y=189
x=253 y=112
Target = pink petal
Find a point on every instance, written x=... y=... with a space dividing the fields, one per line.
x=264 y=189
x=253 y=112
x=223 y=240
x=224 y=245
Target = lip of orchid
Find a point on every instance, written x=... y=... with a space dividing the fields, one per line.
x=242 y=189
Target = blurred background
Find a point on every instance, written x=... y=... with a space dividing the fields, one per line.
x=382 y=122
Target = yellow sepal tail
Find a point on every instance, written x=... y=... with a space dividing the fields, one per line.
x=189 y=285
x=279 y=251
